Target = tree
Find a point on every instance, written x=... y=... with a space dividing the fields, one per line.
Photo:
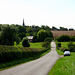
x=8 y=36
x=63 y=29
x=22 y=35
x=25 y=42
x=63 y=38
x=42 y=34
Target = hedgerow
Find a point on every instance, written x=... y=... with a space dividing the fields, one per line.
x=10 y=53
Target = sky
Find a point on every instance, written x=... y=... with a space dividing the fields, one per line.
x=57 y=13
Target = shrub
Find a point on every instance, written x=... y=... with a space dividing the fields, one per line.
x=46 y=45
x=59 y=44
x=63 y=38
x=25 y=42
x=48 y=39
x=64 y=49
x=71 y=46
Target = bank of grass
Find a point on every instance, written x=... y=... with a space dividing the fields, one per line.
x=64 y=65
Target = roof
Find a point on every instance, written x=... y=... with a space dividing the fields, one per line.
x=30 y=37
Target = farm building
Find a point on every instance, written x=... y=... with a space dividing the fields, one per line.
x=59 y=33
x=30 y=38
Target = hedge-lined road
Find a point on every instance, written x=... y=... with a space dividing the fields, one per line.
x=40 y=66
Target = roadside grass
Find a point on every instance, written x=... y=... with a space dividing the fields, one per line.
x=64 y=65
x=59 y=52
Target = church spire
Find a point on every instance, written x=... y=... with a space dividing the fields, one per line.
x=23 y=23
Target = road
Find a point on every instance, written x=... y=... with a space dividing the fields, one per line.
x=40 y=66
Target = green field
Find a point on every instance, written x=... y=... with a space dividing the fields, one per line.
x=65 y=65
x=32 y=45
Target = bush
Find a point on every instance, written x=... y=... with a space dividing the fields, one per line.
x=48 y=39
x=64 y=49
x=59 y=44
x=25 y=42
x=22 y=35
x=63 y=38
x=46 y=45
x=71 y=46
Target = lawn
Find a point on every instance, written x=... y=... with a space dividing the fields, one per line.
x=65 y=65
x=36 y=45
x=32 y=45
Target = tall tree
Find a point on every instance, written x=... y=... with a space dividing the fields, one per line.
x=8 y=36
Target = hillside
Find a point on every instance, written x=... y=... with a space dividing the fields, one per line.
x=59 y=33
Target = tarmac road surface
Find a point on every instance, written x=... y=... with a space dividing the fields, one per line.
x=39 y=66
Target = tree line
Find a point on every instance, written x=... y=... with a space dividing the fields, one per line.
x=11 y=33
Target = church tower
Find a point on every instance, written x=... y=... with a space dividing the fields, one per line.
x=23 y=23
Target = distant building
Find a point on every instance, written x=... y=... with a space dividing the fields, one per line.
x=30 y=38
x=23 y=23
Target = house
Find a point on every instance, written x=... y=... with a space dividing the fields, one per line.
x=30 y=38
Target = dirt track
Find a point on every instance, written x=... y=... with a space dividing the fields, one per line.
x=40 y=66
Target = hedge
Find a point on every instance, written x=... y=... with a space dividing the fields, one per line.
x=10 y=53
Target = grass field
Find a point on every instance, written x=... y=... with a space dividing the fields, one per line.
x=32 y=45
x=65 y=65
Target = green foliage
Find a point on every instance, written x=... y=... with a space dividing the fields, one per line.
x=59 y=44
x=25 y=42
x=71 y=46
x=22 y=35
x=72 y=38
x=18 y=40
x=10 y=53
x=25 y=55
x=63 y=38
x=42 y=34
x=27 y=34
x=48 y=39
x=46 y=45
x=8 y=36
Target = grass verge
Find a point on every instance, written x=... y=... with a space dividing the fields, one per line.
x=64 y=66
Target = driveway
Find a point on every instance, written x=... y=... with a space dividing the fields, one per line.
x=40 y=66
